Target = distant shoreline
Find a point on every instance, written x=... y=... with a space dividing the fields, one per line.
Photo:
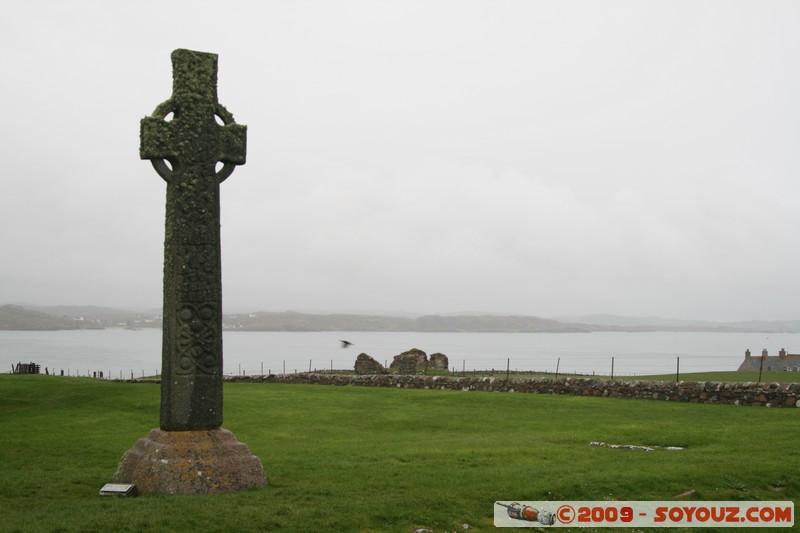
x=19 y=318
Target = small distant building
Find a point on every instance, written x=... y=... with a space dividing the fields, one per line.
x=783 y=361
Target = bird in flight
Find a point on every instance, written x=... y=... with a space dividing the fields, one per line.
x=345 y=344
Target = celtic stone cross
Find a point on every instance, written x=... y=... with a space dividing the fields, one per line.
x=193 y=144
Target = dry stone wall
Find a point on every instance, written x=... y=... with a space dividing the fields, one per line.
x=750 y=394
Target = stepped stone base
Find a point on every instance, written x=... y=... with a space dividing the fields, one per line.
x=190 y=462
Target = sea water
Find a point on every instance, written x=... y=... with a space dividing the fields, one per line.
x=125 y=353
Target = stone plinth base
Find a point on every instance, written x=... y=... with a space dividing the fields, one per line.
x=190 y=462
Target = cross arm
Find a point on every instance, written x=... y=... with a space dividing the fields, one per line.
x=233 y=144
x=156 y=140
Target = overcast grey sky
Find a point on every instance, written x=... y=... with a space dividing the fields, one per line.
x=535 y=157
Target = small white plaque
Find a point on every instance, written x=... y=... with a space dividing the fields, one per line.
x=118 y=489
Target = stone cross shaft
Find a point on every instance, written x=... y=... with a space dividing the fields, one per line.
x=193 y=144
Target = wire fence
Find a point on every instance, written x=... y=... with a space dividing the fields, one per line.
x=561 y=367
x=249 y=363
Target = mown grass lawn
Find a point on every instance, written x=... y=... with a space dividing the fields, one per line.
x=364 y=459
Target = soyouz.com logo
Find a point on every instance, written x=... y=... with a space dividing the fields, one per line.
x=643 y=514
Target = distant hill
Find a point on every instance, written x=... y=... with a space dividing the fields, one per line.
x=495 y=323
x=18 y=317
x=618 y=321
x=766 y=326
x=14 y=317
x=38 y=318
x=291 y=321
x=104 y=316
x=625 y=323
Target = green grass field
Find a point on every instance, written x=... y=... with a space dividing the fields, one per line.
x=368 y=460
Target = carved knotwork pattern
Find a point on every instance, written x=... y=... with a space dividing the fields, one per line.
x=197 y=339
x=193 y=214
x=196 y=279
x=198 y=336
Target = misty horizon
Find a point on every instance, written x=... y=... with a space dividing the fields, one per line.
x=600 y=318
x=521 y=158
